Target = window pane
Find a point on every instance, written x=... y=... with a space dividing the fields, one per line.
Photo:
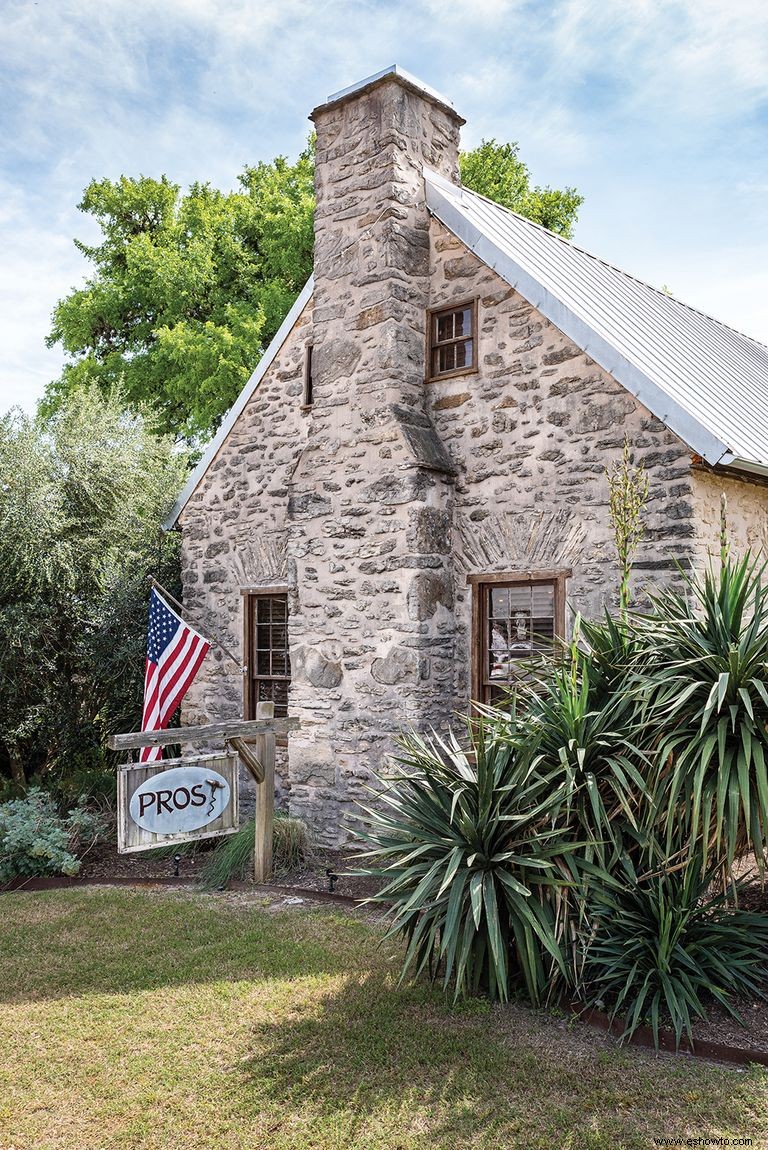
x=444 y=326
x=279 y=637
x=280 y=663
x=520 y=597
x=498 y=654
x=263 y=609
x=446 y=357
x=499 y=603
x=543 y=599
x=462 y=322
x=279 y=609
x=263 y=663
x=543 y=631
x=463 y=353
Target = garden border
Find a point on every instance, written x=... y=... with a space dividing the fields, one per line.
x=643 y=1036
x=64 y=883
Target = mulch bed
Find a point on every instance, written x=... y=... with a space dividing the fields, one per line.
x=102 y=863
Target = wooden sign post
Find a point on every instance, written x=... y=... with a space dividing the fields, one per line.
x=265 y=799
x=172 y=810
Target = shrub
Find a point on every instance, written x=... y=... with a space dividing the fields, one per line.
x=667 y=944
x=589 y=745
x=36 y=840
x=476 y=877
x=708 y=686
x=232 y=858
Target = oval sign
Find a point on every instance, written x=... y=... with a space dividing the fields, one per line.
x=182 y=799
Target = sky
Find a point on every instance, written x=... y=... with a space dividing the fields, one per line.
x=655 y=110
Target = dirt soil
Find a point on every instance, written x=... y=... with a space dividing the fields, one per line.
x=103 y=862
x=721 y=1027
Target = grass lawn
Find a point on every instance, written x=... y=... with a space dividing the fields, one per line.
x=184 y=1021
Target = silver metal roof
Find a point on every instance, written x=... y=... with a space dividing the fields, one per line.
x=229 y=420
x=705 y=381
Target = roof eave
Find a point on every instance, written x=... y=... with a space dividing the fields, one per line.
x=237 y=407
x=749 y=466
x=699 y=438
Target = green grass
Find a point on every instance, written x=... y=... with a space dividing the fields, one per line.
x=174 y=1021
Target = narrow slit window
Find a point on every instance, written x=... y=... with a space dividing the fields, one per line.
x=308 y=398
x=453 y=340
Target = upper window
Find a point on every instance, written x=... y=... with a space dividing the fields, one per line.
x=269 y=661
x=516 y=618
x=453 y=340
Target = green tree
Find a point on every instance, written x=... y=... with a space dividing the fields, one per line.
x=188 y=290
x=496 y=171
x=81 y=499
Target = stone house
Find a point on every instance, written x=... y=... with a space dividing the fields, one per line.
x=410 y=492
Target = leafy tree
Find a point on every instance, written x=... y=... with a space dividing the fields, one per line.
x=81 y=498
x=496 y=171
x=188 y=290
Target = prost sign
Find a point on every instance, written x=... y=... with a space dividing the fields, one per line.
x=176 y=801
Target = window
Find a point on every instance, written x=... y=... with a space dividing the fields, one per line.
x=516 y=617
x=452 y=340
x=308 y=398
x=268 y=659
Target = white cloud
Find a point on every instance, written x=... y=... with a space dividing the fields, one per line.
x=600 y=94
x=700 y=59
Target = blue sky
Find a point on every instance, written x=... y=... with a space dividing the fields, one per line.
x=656 y=110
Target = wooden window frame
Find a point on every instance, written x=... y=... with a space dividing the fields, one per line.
x=307 y=395
x=249 y=595
x=445 y=308
x=480 y=584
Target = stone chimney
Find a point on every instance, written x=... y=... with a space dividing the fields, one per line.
x=371 y=499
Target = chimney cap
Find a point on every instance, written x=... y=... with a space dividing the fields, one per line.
x=394 y=72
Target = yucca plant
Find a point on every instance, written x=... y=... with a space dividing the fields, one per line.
x=708 y=684
x=664 y=947
x=589 y=743
x=476 y=877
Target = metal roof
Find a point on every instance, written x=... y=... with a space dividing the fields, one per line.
x=705 y=381
x=229 y=420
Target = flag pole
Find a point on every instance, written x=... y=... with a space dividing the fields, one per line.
x=214 y=642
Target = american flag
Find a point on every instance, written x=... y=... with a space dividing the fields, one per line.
x=174 y=655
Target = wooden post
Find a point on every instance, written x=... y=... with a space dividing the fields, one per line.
x=265 y=798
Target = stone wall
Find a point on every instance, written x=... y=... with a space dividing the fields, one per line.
x=234 y=532
x=530 y=436
x=747 y=514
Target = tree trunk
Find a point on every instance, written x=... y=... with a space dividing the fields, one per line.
x=17 y=769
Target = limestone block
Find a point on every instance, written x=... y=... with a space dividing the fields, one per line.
x=397 y=666
x=427 y=592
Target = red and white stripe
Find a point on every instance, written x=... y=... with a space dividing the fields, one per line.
x=166 y=683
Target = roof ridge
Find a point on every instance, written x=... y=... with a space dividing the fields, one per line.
x=607 y=263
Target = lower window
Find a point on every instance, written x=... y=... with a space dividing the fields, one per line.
x=516 y=618
x=267 y=657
